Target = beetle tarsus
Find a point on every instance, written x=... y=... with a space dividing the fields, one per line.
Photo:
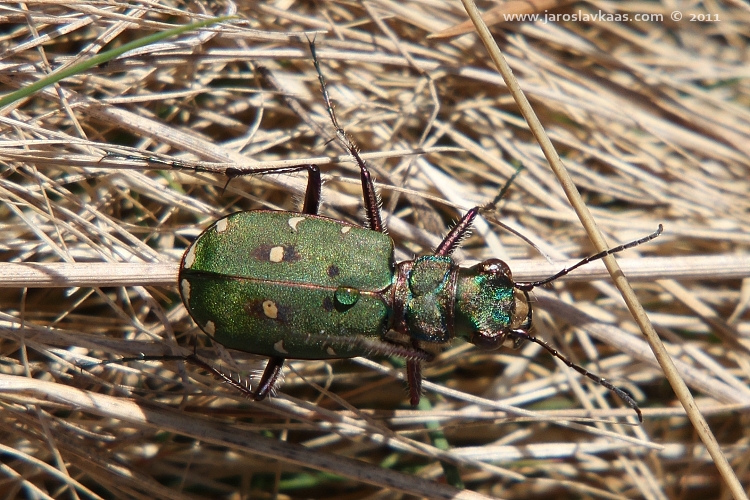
x=314 y=183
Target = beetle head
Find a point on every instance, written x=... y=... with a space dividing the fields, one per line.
x=488 y=305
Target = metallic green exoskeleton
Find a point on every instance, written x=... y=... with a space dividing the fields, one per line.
x=298 y=285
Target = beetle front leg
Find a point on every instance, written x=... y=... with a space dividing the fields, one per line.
x=457 y=233
x=414 y=356
x=461 y=230
x=414 y=379
x=414 y=376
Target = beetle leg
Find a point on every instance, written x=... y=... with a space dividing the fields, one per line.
x=389 y=347
x=461 y=230
x=312 y=193
x=269 y=378
x=235 y=382
x=267 y=381
x=414 y=376
x=414 y=356
x=414 y=379
x=370 y=196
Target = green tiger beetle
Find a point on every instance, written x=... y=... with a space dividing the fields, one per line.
x=297 y=285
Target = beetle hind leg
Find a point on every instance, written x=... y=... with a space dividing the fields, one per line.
x=372 y=202
x=314 y=183
x=235 y=381
x=269 y=379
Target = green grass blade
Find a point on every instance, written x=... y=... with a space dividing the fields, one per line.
x=82 y=66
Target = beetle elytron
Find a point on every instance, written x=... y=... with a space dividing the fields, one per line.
x=301 y=286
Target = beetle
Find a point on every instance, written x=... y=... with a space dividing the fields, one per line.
x=297 y=285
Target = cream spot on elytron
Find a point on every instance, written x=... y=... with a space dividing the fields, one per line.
x=279 y=347
x=270 y=309
x=210 y=327
x=276 y=254
x=190 y=257
x=345 y=229
x=294 y=222
x=222 y=225
x=330 y=351
x=185 y=289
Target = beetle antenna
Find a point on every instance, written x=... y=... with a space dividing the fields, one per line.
x=528 y=285
x=487 y=210
x=492 y=206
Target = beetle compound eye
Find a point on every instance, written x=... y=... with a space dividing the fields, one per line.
x=495 y=267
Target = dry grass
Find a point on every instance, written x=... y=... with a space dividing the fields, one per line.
x=651 y=118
